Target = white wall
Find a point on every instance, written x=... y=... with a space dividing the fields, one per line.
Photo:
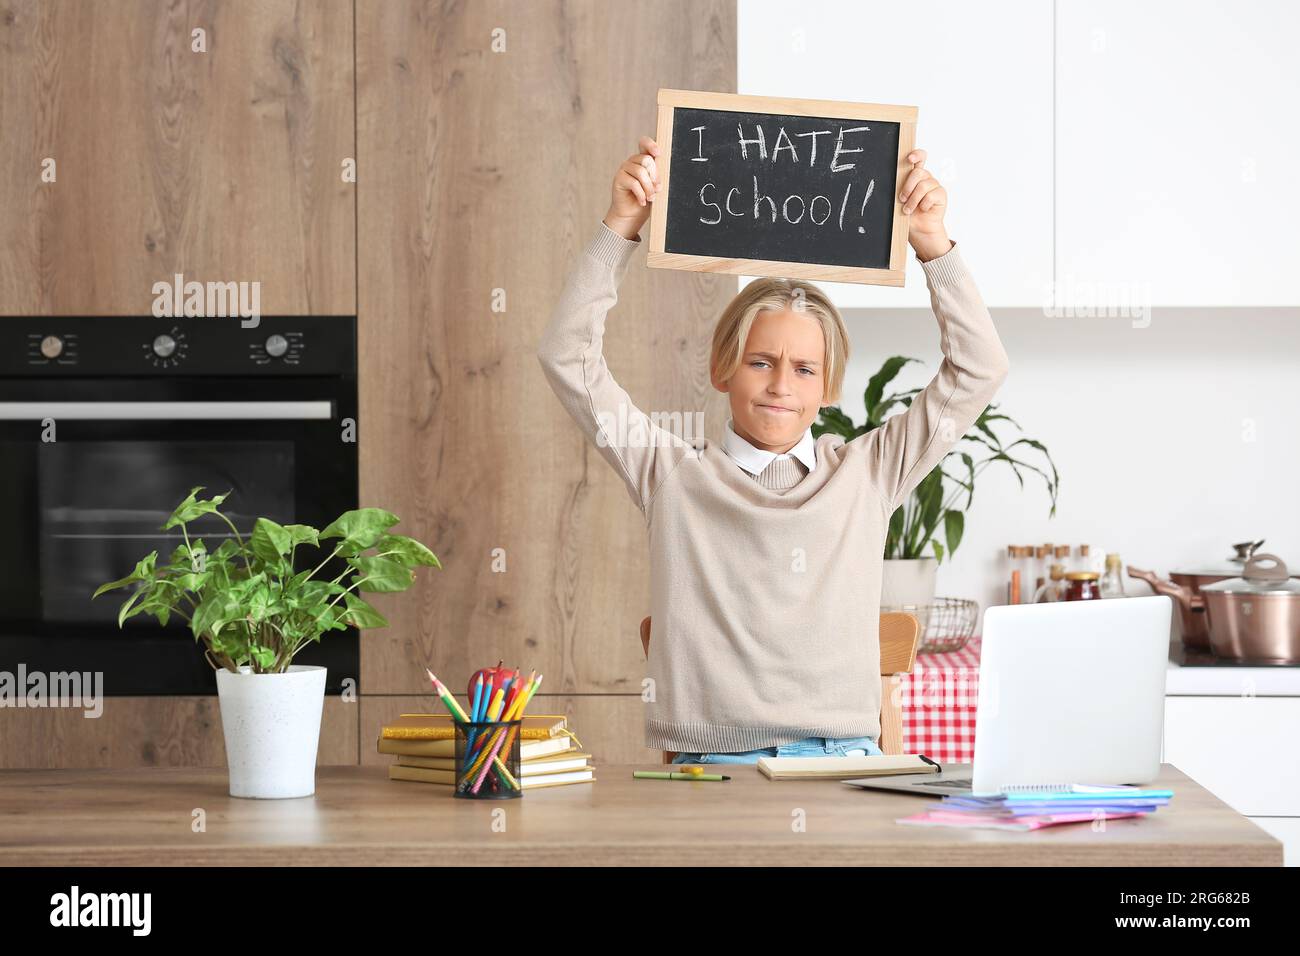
x=1173 y=441
x=968 y=65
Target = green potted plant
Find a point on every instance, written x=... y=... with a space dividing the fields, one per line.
x=938 y=504
x=253 y=611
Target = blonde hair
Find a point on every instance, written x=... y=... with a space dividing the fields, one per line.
x=780 y=295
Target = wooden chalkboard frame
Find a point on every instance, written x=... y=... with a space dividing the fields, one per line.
x=669 y=100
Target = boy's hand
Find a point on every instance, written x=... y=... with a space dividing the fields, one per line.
x=924 y=203
x=635 y=185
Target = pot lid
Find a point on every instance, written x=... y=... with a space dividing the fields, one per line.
x=1232 y=566
x=1263 y=574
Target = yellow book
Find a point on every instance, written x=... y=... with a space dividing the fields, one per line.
x=418 y=748
x=531 y=753
x=439 y=727
x=553 y=763
x=448 y=777
x=528 y=749
x=422 y=774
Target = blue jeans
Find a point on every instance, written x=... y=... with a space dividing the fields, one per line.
x=808 y=747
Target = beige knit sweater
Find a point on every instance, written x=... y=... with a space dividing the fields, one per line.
x=765 y=604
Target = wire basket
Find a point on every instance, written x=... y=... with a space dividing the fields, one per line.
x=946 y=623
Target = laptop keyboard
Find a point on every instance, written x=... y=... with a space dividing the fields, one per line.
x=964 y=784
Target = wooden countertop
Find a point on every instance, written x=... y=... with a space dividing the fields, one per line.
x=359 y=817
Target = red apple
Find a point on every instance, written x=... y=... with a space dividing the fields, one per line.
x=497 y=675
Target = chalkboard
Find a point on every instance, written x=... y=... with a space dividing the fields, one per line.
x=763 y=186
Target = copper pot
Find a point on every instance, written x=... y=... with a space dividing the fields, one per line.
x=1185 y=588
x=1256 y=617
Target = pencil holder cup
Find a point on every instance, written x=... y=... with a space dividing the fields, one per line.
x=487 y=760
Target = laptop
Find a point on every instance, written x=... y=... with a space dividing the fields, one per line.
x=1069 y=692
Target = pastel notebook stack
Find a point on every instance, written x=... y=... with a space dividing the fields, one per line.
x=425 y=748
x=1027 y=808
x=842 y=768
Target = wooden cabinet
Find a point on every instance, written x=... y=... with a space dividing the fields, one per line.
x=223 y=165
x=487 y=136
x=128 y=156
x=490 y=134
x=1176 y=152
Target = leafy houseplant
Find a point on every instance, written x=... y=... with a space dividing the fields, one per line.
x=914 y=525
x=245 y=601
x=254 y=611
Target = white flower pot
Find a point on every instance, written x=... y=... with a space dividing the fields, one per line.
x=272 y=727
x=908 y=584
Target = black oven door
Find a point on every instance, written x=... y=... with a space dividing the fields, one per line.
x=91 y=469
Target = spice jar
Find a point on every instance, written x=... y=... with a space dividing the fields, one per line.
x=1054 y=588
x=1082 y=586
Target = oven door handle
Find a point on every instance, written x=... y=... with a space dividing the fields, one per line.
x=166 y=411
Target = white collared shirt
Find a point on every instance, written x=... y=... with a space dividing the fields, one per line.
x=754 y=460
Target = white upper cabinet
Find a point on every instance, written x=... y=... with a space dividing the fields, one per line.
x=981 y=77
x=1178 y=145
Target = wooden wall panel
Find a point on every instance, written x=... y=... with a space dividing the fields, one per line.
x=223 y=165
x=483 y=174
x=148 y=732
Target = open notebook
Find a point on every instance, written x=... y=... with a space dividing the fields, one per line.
x=836 y=768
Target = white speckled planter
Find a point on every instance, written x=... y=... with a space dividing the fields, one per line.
x=908 y=583
x=272 y=728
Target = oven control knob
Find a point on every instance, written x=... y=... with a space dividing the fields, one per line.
x=51 y=346
x=276 y=346
x=164 y=346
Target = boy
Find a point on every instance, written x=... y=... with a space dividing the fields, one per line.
x=766 y=551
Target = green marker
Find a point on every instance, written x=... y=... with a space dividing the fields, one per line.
x=675 y=775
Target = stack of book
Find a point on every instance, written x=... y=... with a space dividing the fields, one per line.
x=425 y=748
x=1031 y=809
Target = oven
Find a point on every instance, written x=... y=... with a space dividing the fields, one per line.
x=107 y=422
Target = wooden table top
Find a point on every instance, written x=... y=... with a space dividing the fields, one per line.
x=359 y=817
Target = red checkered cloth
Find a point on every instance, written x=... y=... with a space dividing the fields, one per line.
x=938 y=700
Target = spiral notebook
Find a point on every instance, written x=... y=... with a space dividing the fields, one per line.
x=838 y=768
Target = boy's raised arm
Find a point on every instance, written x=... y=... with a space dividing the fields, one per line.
x=571 y=355
x=902 y=451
